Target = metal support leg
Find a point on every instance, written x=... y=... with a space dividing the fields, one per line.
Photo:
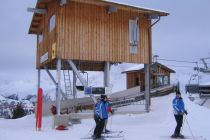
x=82 y=80
x=107 y=74
x=38 y=80
x=58 y=87
x=54 y=81
x=74 y=85
x=147 y=87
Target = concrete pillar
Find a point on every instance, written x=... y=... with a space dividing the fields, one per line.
x=58 y=87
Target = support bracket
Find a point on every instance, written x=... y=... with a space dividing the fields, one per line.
x=38 y=11
x=82 y=80
x=53 y=79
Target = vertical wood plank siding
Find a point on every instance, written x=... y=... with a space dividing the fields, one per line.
x=87 y=32
x=131 y=80
x=48 y=37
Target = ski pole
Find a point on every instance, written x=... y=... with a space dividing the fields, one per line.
x=190 y=130
x=183 y=123
x=110 y=124
x=91 y=130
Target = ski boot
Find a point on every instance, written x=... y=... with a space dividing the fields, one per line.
x=99 y=138
x=181 y=136
x=174 y=136
x=107 y=131
x=93 y=136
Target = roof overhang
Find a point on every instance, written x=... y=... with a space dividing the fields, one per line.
x=42 y=4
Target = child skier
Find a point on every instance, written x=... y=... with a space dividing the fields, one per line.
x=179 y=111
x=100 y=115
x=109 y=110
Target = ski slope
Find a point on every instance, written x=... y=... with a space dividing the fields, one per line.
x=156 y=125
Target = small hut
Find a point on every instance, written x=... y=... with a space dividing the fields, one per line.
x=160 y=76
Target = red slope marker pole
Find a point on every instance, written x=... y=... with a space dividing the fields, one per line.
x=39 y=110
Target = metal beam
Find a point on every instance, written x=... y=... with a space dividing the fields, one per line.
x=74 y=85
x=82 y=80
x=52 y=78
x=36 y=10
x=147 y=66
x=204 y=62
x=147 y=87
x=38 y=79
x=107 y=74
x=58 y=87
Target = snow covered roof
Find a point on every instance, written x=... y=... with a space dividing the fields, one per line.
x=205 y=84
x=140 y=67
x=159 y=12
x=42 y=4
x=134 y=68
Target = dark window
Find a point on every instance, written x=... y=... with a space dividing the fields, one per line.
x=137 y=82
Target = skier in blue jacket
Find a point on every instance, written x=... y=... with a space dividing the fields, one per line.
x=179 y=111
x=100 y=115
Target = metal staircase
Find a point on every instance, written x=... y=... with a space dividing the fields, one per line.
x=68 y=85
x=134 y=96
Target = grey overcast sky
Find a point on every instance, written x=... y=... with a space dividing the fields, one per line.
x=183 y=35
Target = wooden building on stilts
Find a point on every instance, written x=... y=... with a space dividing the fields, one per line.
x=91 y=35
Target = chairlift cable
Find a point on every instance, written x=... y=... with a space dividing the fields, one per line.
x=182 y=61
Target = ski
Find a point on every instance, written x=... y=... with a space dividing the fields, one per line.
x=194 y=138
x=110 y=137
x=90 y=138
x=118 y=134
x=111 y=132
x=106 y=137
x=185 y=138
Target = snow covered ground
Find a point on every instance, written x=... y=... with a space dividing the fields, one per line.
x=156 y=125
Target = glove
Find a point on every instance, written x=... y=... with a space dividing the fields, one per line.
x=185 y=112
x=99 y=119
x=112 y=111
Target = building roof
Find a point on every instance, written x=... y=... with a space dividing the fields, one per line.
x=42 y=4
x=134 y=68
x=140 y=67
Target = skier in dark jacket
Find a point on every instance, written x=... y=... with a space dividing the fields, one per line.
x=100 y=115
x=179 y=111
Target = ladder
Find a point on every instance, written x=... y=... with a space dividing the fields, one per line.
x=67 y=81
